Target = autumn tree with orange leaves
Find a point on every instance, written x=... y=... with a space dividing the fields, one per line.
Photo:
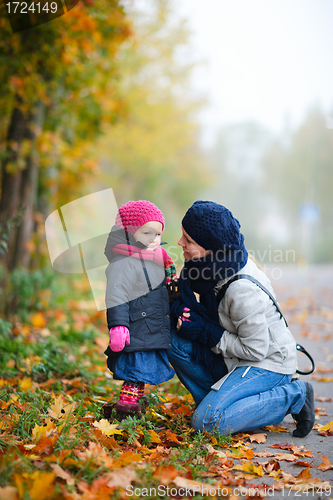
x=58 y=88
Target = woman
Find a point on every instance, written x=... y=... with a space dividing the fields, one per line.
x=236 y=357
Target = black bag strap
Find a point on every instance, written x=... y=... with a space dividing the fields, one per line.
x=221 y=293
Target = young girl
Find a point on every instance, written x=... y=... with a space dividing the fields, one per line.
x=233 y=350
x=137 y=302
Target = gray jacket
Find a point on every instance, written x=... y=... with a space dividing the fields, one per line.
x=255 y=334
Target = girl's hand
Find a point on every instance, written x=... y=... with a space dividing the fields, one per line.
x=119 y=336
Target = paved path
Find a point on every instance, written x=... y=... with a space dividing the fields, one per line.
x=305 y=295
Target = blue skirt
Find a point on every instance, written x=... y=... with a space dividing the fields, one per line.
x=150 y=367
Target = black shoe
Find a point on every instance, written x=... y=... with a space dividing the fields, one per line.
x=306 y=417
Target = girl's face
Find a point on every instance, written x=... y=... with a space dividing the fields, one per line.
x=150 y=234
x=190 y=248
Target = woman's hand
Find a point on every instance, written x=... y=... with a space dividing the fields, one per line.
x=184 y=317
x=194 y=327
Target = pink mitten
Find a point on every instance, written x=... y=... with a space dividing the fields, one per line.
x=186 y=310
x=119 y=336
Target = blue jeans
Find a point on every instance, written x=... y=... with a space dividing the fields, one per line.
x=245 y=401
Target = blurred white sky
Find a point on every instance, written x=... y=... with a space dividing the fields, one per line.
x=267 y=60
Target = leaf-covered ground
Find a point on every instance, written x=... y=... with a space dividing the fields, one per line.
x=56 y=442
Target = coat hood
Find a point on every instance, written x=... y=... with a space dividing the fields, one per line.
x=119 y=236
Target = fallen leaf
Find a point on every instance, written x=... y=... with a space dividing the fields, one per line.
x=60 y=472
x=251 y=468
x=258 y=438
x=38 y=320
x=166 y=474
x=126 y=458
x=326 y=465
x=185 y=410
x=218 y=453
x=154 y=436
x=195 y=486
x=47 y=429
x=171 y=436
x=61 y=409
x=8 y=493
x=326 y=430
x=121 y=478
x=106 y=428
x=25 y=384
x=275 y=428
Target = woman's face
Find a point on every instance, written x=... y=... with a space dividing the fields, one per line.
x=150 y=234
x=190 y=248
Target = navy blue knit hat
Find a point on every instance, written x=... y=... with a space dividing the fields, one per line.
x=213 y=226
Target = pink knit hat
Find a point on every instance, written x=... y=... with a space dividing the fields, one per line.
x=135 y=214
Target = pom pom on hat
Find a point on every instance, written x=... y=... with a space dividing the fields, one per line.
x=135 y=214
x=212 y=226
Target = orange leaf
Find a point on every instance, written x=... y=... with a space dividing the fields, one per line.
x=275 y=428
x=38 y=320
x=171 y=436
x=45 y=445
x=326 y=465
x=42 y=485
x=8 y=493
x=258 y=438
x=166 y=474
x=127 y=458
x=60 y=472
x=121 y=478
x=184 y=409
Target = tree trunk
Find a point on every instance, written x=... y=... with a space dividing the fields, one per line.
x=29 y=187
x=19 y=186
x=11 y=177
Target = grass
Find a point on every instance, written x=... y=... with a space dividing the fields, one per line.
x=52 y=348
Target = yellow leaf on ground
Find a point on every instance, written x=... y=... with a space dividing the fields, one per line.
x=43 y=485
x=25 y=384
x=106 y=428
x=154 y=436
x=38 y=320
x=250 y=467
x=326 y=430
x=48 y=429
x=61 y=409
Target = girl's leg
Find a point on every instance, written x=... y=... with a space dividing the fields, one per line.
x=130 y=393
x=248 y=400
x=195 y=377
